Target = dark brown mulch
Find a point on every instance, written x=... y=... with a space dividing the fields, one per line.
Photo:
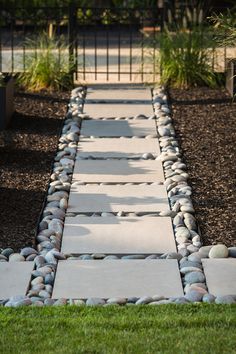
x=27 y=150
x=205 y=123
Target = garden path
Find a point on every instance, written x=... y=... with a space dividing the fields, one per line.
x=115 y=213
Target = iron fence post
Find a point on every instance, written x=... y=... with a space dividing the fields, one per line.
x=71 y=34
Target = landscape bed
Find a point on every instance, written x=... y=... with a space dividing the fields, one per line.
x=27 y=151
x=205 y=124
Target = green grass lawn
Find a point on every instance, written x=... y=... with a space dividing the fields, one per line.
x=138 y=329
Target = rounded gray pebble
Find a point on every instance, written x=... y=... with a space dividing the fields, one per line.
x=117 y=300
x=144 y=300
x=193 y=296
x=94 y=301
x=194 y=277
x=226 y=299
x=209 y=298
x=232 y=252
x=219 y=251
x=7 y=252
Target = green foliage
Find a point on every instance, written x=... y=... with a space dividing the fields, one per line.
x=47 y=65
x=225 y=26
x=166 y=329
x=185 y=60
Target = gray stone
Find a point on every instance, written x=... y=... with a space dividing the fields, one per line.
x=219 y=251
x=187 y=263
x=79 y=302
x=161 y=302
x=132 y=300
x=37 y=280
x=185 y=270
x=60 y=302
x=44 y=294
x=110 y=257
x=183 y=232
x=192 y=248
x=49 y=302
x=49 y=279
x=184 y=252
x=144 y=300
x=204 y=250
x=3 y=258
x=134 y=256
x=209 y=298
x=39 y=261
x=25 y=252
x=16 y=257
x=94 y=301
x=194 y=296
x=7 y=252
x=173 y=255
x=225 y=299
x=117 y=300
x=31 y=257
x=195 y=257
x=194 y=277
x=181 y=300
x=232 y=252
x=190 y=221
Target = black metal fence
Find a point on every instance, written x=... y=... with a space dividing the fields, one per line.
x=105 y=44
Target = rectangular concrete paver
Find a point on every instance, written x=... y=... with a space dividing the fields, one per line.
x=115 y=93
x=117 y=128
x=14 y=278
x=117 y=278
x=115 y=171
x=220 y=276
x=118 y=235
x=117 y=148
x=103 y=110
x=114 y=198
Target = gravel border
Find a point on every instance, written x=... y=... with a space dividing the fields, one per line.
x=187 y=234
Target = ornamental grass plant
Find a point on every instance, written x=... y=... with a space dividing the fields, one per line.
x=185 y=59
x=48 y=66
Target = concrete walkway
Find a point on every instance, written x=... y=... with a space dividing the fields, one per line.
x=124 y=193
x=117 y=224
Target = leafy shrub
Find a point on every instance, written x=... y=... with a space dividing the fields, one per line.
x=185 y=60
x=225 y=26
x=48 y=65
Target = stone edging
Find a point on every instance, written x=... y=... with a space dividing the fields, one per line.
x=186 y=230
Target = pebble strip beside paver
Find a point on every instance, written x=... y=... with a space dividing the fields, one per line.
x=112 y=255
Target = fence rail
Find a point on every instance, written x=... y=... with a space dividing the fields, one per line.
x=105 y=44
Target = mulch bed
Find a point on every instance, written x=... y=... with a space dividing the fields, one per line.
x=27 y=150
x=205 y=123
